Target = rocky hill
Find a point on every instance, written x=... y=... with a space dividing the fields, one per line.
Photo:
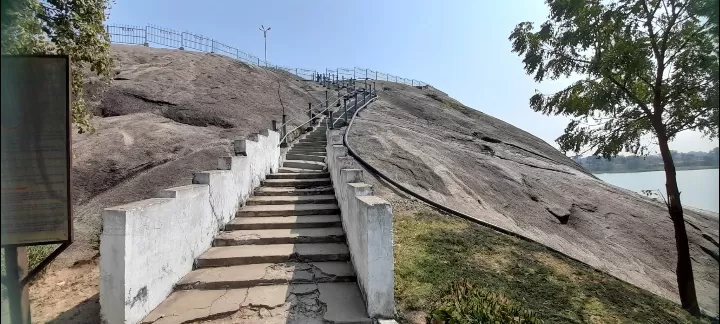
x=505 y=176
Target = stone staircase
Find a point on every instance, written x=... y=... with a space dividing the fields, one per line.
x=283 y=259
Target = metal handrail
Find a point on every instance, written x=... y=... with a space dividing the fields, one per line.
x=296 y=117
x=282 y=140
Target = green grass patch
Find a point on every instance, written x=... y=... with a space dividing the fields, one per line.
x=434 y=252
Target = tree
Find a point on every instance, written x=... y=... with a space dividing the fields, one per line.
x=72 y=27
x=648 y=68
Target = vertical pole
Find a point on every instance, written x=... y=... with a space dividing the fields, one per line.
x=310 y=116
x=346 y=114
x=212 y=46
x=284 y=131
x=16 y=265
x=375 y=75
x=353 y=73
x=326 y=100
x=146 y=42
x=274 y=125
x=356 y=103
x=365 y=74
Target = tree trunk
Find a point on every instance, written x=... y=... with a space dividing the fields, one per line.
x=685 y=280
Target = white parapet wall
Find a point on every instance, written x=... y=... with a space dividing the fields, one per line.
x=147 y=246
x=367 y=221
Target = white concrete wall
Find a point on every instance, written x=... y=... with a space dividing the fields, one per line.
x=147 y=246
x=367 y=221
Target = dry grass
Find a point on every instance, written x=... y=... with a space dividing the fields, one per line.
x=432 y=251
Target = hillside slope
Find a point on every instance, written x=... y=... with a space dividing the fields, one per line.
x=502 y=175
x=166 y=114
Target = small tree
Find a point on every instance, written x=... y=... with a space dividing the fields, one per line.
x=648 y=68
x=72 y=27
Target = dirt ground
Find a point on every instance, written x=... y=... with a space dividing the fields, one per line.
x=165 y=115
x=500 y=174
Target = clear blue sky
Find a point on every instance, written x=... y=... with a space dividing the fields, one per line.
x=459 y=47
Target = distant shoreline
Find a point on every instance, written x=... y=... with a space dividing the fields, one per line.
x=680 y=168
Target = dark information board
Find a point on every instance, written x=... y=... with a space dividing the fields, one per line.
x=36 y=152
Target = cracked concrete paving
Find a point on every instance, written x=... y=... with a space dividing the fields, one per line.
x=243 y=276
x=275 y=304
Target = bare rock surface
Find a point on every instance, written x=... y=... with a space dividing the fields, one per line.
x=166 y=114
x=505 y=176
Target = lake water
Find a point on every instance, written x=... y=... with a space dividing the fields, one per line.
x=698 y=188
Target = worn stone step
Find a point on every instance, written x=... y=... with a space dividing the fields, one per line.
x=297 y=170
x=307 y=221
x=288 y=210
x=342 y=302
x=291 y=191
x=306 y=157
x=224 y=256
x=312 y=165
x=285 y=200
x=249 y=275
x=297 y=175
x=280 y=236
x=297 y=183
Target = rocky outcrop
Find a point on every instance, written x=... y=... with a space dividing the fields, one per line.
x=503 y=175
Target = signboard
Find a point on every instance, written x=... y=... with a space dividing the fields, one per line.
x=35 y=196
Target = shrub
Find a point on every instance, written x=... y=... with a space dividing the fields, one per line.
x=466 y=304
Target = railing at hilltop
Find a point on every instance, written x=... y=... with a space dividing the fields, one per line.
x=168 y=38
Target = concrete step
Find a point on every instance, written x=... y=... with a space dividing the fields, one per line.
x=249 y=275
x=308 y=221
x=310 y=152
x=291 y=191
x=280 y=236
x=313 y=139
x=250 y=254
x=291 y=175
x=342 y=302
x=312 y=147
x=297 y=183
x=288 y=210
x=319 y=157
x=286 y=200
x=312 y=143
x=297 y=170
x=300 y=164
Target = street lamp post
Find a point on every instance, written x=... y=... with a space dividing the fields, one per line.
x=265 y=30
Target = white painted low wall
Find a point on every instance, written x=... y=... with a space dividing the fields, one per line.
x=148 y=245
x=367 y=221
